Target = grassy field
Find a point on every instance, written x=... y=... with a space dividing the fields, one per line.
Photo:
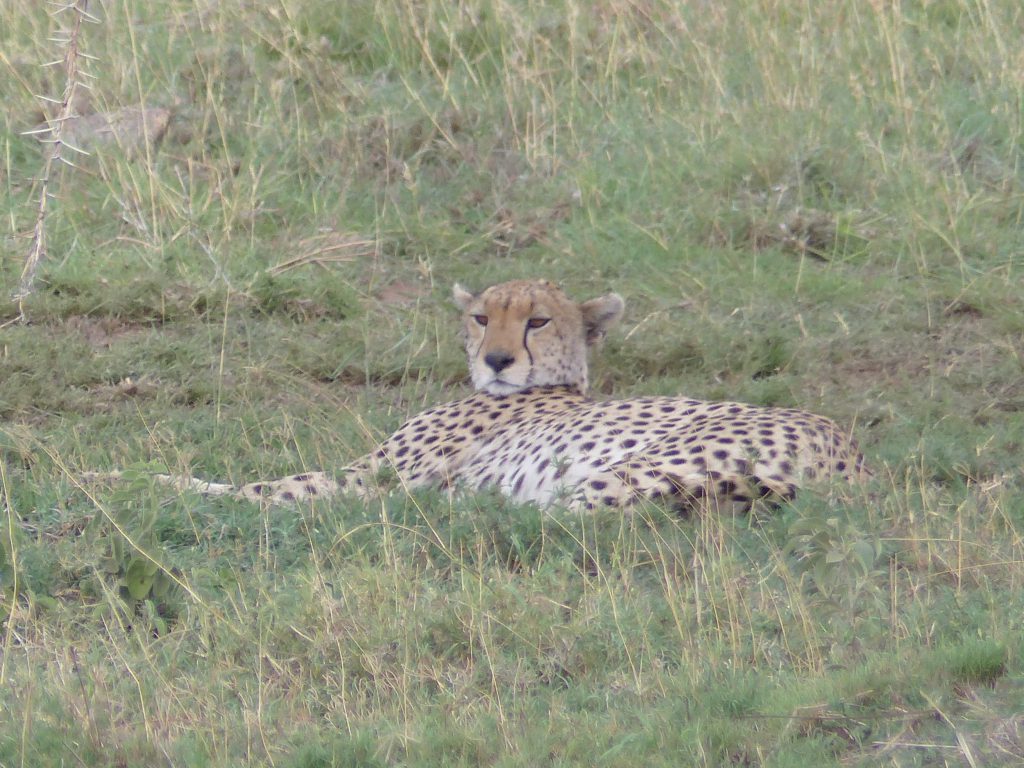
x=810 y=204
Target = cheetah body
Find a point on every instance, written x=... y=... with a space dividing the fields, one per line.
x=531 y=432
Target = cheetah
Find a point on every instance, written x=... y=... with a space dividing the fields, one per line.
x=531 y=431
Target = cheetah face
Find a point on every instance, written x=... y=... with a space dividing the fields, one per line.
x=528 y=333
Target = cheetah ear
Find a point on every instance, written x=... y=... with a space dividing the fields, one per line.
x=462 y=296
x=600 y=314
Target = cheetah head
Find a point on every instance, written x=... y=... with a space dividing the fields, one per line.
x=528 y=333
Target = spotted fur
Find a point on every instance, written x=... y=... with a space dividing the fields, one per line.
x=531 y=431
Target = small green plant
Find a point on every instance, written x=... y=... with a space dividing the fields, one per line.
x=131 y=558
x=839 y=562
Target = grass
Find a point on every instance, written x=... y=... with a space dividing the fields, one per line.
x=816 y=206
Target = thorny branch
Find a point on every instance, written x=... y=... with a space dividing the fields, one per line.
x=54 y=152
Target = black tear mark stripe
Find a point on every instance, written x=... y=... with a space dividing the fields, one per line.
x=529 y=354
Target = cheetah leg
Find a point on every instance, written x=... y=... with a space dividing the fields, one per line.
x=629 y=482
x=291 y=489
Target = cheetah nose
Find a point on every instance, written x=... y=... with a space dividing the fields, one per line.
x=498 y=361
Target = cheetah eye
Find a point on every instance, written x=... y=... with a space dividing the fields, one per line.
x=480 y=319
x=537 y=322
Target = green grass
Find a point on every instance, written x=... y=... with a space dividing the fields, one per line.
x=815 y=205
